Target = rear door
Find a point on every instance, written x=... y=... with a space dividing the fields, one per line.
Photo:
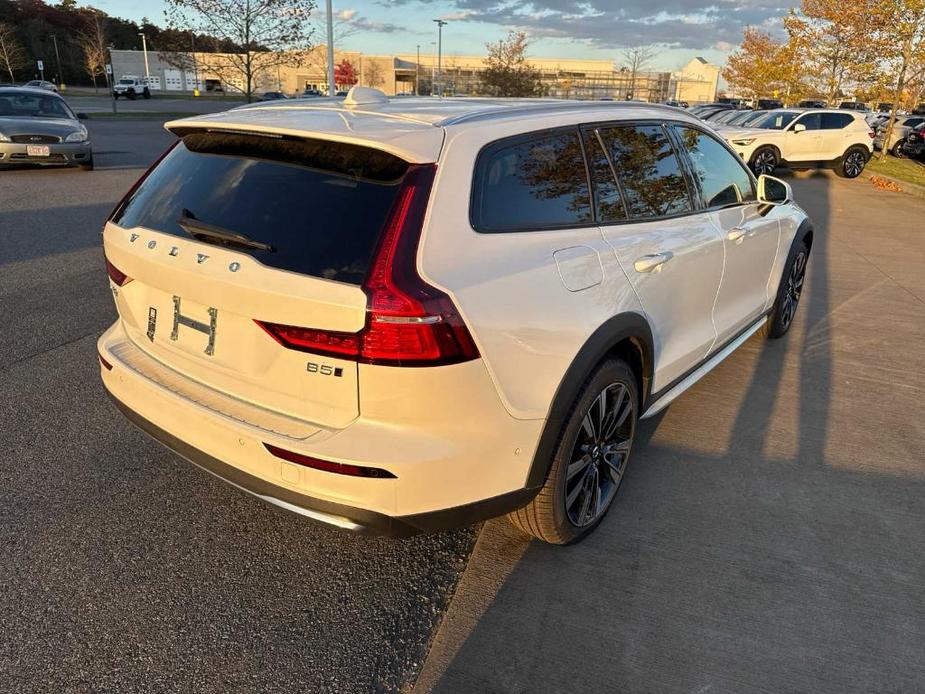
x=672 y=253
x=230 y=229
x=838 y=133
x=750 y=239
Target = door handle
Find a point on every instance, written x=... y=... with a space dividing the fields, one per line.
x=736 y=234
x=648 y=263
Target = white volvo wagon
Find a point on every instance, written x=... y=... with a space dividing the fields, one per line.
x=410 y=315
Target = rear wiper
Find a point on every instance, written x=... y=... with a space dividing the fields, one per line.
x=209 y=232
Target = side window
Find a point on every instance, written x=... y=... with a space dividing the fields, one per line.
x=607 y=198
x=649 y=171
x=812 y=121
x=534 y=183
x=836 y=121
x=722 y=177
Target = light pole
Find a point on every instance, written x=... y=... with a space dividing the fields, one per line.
x=433 y=68
x=58 y=56
x=144 y=48
x=440 y=25
x=330 y=12
x=111 y=82
x=417 y=73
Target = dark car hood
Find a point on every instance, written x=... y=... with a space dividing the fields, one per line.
x=62 y=127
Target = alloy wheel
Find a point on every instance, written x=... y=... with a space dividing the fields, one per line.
x=794 y=289
x=765 y=162
x=854 y=164
x=599 y=455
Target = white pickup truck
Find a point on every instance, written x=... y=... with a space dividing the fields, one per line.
x=131 y=87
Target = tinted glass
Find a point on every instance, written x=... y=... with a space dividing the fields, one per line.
x=607 y=196
x=811 y=121
x=538 y=183
x=22 y=104
x=649 y=171
x=320 y=205
x=723 y=179
x=836 y=121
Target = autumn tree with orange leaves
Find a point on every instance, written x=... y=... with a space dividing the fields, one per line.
x=763 y=66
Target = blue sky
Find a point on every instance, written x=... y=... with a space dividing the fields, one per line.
x=679 y=29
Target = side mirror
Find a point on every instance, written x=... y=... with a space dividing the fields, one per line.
x=81 y=116
x=773 y=191
x=799 y=127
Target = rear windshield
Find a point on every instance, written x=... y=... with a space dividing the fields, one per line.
x=318 y=205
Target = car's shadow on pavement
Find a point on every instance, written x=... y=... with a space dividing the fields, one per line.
x=766 y=537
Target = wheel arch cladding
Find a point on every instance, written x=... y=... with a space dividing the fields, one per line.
x=626 y=336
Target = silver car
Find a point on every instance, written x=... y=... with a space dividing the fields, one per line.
x=38 y=127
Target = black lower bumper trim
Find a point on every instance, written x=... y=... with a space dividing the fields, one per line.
x=369 y=521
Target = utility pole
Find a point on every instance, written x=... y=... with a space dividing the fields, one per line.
x=144 y=48
x=417 y=73
x=440 y=25
x=330 y=12
x=58 y=56
x=111 y=82
x=433 y=68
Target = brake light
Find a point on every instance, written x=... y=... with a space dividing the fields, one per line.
x=872 y=134
x=105 y=363
x=327 y=465
x=116 y=275
x=408 y=322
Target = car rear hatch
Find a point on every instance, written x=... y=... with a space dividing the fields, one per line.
x=233 y=231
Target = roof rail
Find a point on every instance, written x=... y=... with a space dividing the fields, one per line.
x=560 y=106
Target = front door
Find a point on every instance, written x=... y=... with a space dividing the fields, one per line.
x=804 y=141
x=750 y=238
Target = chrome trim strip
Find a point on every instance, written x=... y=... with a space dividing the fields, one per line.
x=702 y=371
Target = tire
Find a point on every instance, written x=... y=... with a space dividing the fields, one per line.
x=852 y=162
x=131 y=94
x=764 y=160
x=87 y=165
x=146 y=94
x=897 y=150
x=597 y=448
x=115 y=96
x=788 y=293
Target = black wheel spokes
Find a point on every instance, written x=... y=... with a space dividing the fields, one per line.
x=854 y=164
x=599 y=456
x=794 y=289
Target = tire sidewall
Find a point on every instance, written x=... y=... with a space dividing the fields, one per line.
x=765 y=148
x=610 y=371
x=840 y=170
x=776 y=329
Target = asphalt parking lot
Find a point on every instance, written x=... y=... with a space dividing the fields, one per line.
x=768 y=536
x=101 y=103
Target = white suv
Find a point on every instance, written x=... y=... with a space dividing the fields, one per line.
x=805 y=139
x=416 y=314
x=131 y=87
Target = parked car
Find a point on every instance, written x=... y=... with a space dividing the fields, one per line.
x=768 y=104
x=676 y=103
x=131 y=87
x=816 y=138
x=311 y=93
x=919 y=110
x=812 y=103
x=42 y=84
x=38 y=127
x=853 y=106
x=413 y=355
x=901 y=129
x=272 y=96
x=914 y=145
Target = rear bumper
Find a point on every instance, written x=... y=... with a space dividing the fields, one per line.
x=60 y=154
x=458 y=460
x=347 y=517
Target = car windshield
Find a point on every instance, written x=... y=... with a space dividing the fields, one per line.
x=20 y=105
x=775 y=121
x=126 y=81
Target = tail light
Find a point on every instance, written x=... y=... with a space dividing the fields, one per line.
x=103 y=362
x=116 y=275
x=408 y=321
x=872 y=134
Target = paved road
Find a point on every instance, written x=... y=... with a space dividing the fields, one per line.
x=103 y=104
x=769 y=535
x=123 y=568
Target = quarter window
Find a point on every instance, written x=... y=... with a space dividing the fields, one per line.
x=649 y=171
x=535 y=183
x=722 y=178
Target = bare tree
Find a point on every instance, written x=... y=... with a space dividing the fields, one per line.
x=373 y=74
x=12 y=55
x=269 y=34
x=92 y=43
x=637 y=60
